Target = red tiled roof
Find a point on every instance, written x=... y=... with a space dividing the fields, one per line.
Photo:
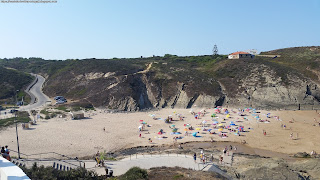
x=239 y=52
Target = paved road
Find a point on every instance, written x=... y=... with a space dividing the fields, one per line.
x=36 y=93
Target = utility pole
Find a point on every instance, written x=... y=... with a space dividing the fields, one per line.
x=15 y=120
x=215 y=50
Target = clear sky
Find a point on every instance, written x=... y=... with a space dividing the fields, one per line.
x=131 y=28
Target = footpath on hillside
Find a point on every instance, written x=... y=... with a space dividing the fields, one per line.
x=142 y=161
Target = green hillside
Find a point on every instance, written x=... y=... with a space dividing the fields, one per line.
x=119 y=82
x=12 y=80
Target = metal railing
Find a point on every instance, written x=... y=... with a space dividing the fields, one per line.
x=48 y=156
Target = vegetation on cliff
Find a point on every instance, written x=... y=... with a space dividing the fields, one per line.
x=12 y=80
x=139 y=83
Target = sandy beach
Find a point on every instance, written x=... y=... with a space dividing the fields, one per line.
x=113 y=131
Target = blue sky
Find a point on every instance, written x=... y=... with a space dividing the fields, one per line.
x=132 y=28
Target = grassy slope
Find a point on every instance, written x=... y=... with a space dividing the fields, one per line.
x=12 y=80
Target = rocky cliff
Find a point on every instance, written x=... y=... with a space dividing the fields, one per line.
x=287 y=82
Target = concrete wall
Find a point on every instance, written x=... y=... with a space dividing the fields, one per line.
x=9 y=171
x=236 y=56
x=269 y=55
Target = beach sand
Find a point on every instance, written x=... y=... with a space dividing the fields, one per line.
x=79 y=138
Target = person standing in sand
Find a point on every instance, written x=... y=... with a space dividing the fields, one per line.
x=195 y=157
x=291 y=135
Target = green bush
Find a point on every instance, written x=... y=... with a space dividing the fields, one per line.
x=134 y=173
x=22 y=117
x=36 y=172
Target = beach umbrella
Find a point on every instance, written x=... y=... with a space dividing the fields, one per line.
x=198 y=129
x=172 y=125
x=213 y=115
x=228 y=115
x=215 y=122
x=186 y=125
x=186 y=129
x=141 y=120
x=220 y=125
x=220 y=129
x=203 y=122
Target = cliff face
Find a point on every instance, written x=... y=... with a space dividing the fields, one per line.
x=260 y=87
x=131 y=92
x=287 y=82
x=264 y=89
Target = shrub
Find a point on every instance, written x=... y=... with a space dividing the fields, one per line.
x=36 y=172
x=134 y=173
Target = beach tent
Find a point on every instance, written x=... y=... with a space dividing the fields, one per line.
x=194 y=134
x=232 y=123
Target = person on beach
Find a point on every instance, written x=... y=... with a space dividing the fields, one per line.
x=195 y=157
x=220 y=159
x=204 y=159
x=97 y=159
x=140 y=135
x=291 y=135
x=150 y=141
